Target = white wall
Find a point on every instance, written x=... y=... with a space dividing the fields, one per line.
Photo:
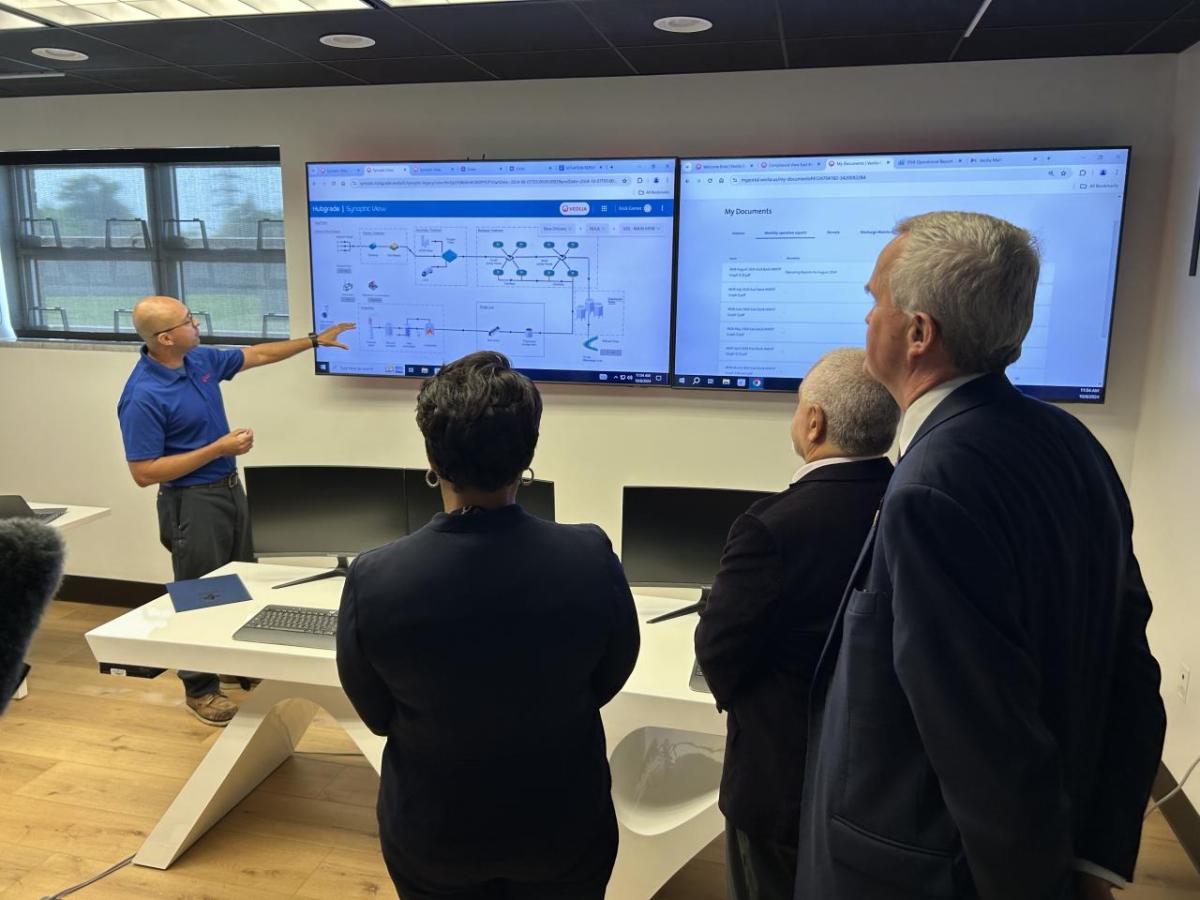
x=1166 y=490
x=67 y=446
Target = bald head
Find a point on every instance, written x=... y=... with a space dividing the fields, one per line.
x=154 y=314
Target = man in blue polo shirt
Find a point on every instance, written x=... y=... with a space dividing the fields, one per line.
x=176 y=436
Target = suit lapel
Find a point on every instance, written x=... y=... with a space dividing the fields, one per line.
x=834 y=641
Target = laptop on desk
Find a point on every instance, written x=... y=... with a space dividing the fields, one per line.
x=13 y=506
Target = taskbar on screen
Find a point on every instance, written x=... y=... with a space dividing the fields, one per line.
x=406 y=370
x=733 y=382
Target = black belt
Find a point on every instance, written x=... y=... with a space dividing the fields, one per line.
x=229 y=481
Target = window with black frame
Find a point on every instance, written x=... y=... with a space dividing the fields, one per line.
x=85 y=234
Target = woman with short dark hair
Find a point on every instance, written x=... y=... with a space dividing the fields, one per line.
x=482 y=647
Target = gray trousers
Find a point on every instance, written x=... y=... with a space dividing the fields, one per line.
x=756 y=869
x=204 y=527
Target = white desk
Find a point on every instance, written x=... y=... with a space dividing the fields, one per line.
x=665 y=741
x=75 y=515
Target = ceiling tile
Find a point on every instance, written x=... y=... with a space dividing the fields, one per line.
x=1011 y=13
x=196 y=42
x=16 y=66
x=12 y=20
x=630 y=23
x=49 y=87
x=413 y=71
x=1174 y=37
x=829 y=18
x=280 y=75
x=554 y=64
x=101 y=54
x=872 y=50
x=167 y=78
x=1059 y=40
x=706 y=57
x=505 y=27
x=301 y=34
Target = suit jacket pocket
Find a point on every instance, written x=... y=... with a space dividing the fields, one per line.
x=914 y=871
x=864 y=603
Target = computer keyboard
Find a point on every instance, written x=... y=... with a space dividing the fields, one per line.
x=294 y=626
x=48 y=514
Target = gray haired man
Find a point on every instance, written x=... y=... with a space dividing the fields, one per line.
x=782 y=574
x=986 y=720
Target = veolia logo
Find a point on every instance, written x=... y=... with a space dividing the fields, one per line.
x=575 y=209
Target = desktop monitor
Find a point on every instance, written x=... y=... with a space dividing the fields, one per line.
x=774 y=253
x=673 y=537
x=425 y=502
x=324 y=510
x=565 y=266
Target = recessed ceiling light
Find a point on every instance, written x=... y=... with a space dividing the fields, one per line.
x=348 y=41
x=58 y=54
x=683 y=24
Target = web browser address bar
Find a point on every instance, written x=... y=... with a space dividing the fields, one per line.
x=489 y=182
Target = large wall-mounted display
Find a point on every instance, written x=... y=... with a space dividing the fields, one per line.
x=774 y=254
x=563 y=265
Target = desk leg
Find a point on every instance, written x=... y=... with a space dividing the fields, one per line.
x=263 y=734
x=658 y=838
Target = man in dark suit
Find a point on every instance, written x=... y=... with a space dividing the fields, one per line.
x=782 y=574
x=986 y=716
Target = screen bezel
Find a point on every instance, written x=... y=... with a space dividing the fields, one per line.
x=403 y=376
x=1040 y=391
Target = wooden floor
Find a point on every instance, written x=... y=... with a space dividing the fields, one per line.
x=88 y=762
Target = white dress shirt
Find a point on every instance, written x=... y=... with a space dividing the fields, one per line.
x=914 y=417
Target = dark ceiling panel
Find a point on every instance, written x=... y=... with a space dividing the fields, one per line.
x=706 y=58
x=505 y=27
x=829 y=18
x=1063 y=40
x=872 y=50
x=195 y=42
x=413 y=71
x=301 y=34
x=50 y=87
x=101 y=55
x=16 y=67
x=1010 y=13
x=279 y=75
x=1174 y=37
x=564 y=64
x=630 y=23
x=167 y=78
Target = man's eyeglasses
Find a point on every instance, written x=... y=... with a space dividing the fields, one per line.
x=190 y=320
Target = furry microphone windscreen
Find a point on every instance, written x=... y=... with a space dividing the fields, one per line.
x=31 y=564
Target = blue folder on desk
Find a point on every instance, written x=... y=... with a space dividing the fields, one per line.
x=201 y=593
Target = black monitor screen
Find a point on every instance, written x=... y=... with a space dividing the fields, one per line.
x=425 y=502
x=674 y=536
x=324 y=510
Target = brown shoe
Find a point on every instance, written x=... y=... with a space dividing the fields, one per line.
x=212 y=709
x=241 y=681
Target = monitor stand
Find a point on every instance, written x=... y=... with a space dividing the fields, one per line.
x=696 y=607
x=339 y=571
